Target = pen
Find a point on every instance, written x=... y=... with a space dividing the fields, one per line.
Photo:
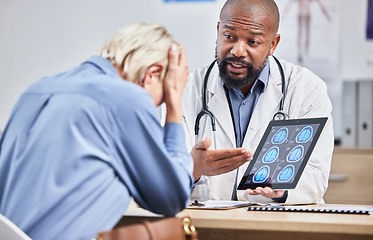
x=196 y=203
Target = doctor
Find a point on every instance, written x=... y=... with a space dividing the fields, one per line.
x=243 y=92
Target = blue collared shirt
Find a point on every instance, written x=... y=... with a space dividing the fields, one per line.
x=242 y=107
x=79 y=145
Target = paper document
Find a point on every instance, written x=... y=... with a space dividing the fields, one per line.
x=215 y=204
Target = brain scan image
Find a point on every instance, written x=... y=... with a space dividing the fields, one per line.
x=295 y=154
x=282 y=153
x=304 y=135
x=271 y=155
x=286 y=173
x=261 y=175
x=280 y=136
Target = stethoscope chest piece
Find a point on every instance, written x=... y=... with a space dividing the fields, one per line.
x=280 y=116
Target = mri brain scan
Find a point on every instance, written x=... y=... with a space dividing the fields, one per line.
x=280 y=136
x=271 y=155
x=261 y=175
x=304 y=135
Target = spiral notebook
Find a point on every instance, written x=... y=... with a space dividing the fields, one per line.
x=315 y=209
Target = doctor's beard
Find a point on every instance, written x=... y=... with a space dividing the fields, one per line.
x=238 y=83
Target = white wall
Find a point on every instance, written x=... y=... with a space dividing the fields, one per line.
x=357 y=53
x=41 y=37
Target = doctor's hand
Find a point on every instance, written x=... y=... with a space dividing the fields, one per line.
x=266 y=192
x=214 y=162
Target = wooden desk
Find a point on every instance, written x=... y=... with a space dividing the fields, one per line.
x=237 y=224
x=351 y=177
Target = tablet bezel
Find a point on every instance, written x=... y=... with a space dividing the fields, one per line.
x=283 y=123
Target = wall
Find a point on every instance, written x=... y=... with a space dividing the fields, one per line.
x=357 y=53
x=42 y=37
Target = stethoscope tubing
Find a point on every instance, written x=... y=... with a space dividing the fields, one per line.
x=204 y=103
x=204 y=111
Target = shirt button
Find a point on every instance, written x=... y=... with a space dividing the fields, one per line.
x=244 y=103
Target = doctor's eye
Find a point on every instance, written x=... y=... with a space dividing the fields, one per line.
x=253 y=42
x=227 y=36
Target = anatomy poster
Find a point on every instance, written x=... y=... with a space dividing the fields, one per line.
x=310 y=37
x=370 y=20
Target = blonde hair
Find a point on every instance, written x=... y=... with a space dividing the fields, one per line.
x=136 y=47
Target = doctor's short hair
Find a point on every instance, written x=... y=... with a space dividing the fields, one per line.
x=136 y=47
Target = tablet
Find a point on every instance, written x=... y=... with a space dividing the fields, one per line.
x=282 y=153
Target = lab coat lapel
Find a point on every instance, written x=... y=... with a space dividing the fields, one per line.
x=266 y=107
x=219 y=107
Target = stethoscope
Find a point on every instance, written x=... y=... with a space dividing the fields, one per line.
x=280 y=115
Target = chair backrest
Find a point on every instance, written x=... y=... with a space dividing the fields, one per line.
x=8 y=230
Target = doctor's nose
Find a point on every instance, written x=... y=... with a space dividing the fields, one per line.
x=239 y=49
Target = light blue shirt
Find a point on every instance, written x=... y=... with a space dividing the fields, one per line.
x=78 y=145
x=242 y=107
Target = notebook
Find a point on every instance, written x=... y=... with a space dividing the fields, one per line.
x=314 y=209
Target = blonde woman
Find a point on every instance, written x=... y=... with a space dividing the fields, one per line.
x=80 y=144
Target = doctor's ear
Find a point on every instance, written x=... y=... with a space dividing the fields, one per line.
x=152 y=75
x=274 y=44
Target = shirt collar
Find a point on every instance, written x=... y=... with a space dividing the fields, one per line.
x=103 y=64
x=264 y=75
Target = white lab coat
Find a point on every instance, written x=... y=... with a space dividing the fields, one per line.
x=306 y=98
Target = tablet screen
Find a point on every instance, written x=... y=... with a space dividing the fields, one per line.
x=282 y=153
